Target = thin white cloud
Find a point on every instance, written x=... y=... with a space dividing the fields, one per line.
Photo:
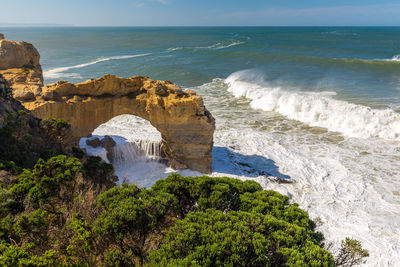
x=164 y=2
x=320 y=11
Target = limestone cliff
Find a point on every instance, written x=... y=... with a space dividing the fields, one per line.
x=19 y=65
x=186 y=126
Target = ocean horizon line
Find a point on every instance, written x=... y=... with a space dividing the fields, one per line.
x=37 y=25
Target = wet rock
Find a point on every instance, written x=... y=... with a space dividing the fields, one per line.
x=108 y=143
x=95 y=142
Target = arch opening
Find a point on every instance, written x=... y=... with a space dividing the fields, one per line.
x=137 y=154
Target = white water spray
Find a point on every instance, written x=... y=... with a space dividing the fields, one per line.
x=139 y=150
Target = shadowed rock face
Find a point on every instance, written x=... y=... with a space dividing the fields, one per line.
x=185 y=124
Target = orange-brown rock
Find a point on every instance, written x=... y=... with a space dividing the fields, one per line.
x=186 y=126
x=19 y=65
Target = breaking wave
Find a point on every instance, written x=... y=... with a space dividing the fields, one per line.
x=58 y=72
x=316 y=109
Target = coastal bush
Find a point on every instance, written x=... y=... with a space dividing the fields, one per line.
x=129 y=214
x=6 y=224
x=95 y=166
x=351 y=253
x=180 y=221
x=45 y=180
x=215 y=238
x=7 y=203
x=10 y=166
x=23 y=142
x=32 y=227
x=80 y=245
x=231 y=222
x=55 y=126
x=11 y=255
x=203 y=192
x=115 y=257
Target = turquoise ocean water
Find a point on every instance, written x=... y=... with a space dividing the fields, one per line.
x=317 y=104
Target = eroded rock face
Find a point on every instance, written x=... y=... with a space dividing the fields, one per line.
x=185 y=124
x=19 y=65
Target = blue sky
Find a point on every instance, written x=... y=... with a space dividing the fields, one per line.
x=202 y=12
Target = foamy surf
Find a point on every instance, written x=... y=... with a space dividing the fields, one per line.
x=58 y=72
x=346 y=186
x=396 y=58
x=137 y=154
x=316 y=109
x=216 y=46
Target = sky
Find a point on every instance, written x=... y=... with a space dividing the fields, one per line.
x=201 y=12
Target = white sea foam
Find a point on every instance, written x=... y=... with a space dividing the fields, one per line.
x=396 y=58
x=352 y=185
x=137 y=154
x=58 y=72
x=316 y=109
x=175 y=48
x=216 y=46
x=229 y=45
x=350 y=188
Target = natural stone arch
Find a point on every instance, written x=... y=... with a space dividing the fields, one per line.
x=185 y=125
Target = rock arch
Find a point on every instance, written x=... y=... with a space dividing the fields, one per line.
x=185 y=124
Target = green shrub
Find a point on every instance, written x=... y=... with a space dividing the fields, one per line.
x=203 y=192
x=129 y=214
x=96 y=167
x=80 y=245
x=45 y=179
x=82 y=238
x=351 y=253
x=7 y=203
x=32 y=226
x=115 y=257
x=215 y=238
x=12 y=255
x=6 y=224
x=55 y=126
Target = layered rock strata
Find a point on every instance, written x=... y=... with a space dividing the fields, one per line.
x=19 y=65
x=185 y=124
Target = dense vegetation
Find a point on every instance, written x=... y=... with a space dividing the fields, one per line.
x=60 y=207
x=180 y=221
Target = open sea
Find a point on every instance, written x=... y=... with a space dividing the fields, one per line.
x=318 y=106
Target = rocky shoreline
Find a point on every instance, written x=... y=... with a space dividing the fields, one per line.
x=185 y=124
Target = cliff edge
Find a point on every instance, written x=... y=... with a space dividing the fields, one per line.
x=19 y=65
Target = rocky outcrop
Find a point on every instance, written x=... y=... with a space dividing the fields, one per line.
x=186 y=126
x=19 y=65
x=23 y=137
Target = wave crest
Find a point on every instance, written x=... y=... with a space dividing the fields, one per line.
x=396 y=58
x=57 y=72
x=316 y=109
